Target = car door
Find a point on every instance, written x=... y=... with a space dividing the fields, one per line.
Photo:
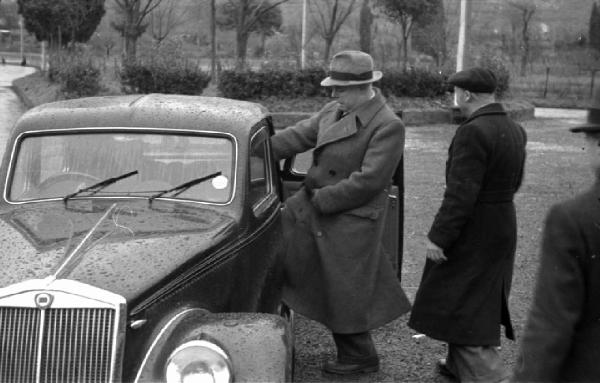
x=293 y=172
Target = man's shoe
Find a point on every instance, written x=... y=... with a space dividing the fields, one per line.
x=338 y=368
x=443 y=369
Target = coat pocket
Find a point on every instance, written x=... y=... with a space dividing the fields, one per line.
x=367 y=211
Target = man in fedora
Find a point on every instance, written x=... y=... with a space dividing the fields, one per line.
x=561 y=342
x=470 y=248
x=337 y=272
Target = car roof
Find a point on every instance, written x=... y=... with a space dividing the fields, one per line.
x=164 y=111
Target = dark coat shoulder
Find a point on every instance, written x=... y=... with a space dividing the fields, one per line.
x=562 y=336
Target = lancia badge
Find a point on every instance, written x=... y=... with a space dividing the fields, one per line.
x=43 y=300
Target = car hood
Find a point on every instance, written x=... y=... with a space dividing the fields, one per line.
x=127 y=251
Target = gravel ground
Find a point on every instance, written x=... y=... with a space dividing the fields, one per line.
x=555 y=170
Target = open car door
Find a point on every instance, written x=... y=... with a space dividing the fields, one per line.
x=294 y=171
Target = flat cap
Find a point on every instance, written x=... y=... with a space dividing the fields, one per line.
x=478 y=80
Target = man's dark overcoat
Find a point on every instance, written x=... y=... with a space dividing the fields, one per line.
x=337 y=272
x=464 y=299
x=561 y=342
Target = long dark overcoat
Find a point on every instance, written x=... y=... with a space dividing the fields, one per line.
x=464 y=299
x=561 y=342
x=337 y=272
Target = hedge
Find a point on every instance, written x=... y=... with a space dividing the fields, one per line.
x=245 y=85
x=157 y=77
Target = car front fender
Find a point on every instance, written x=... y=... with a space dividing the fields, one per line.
x=259 y=345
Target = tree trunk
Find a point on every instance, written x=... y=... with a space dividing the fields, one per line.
x=366 y=21
x=525 y=55
x=405 y=52
x=328 y=44
x=213 y=40
x=130 y=48
x=241 y=47
x=406 y=25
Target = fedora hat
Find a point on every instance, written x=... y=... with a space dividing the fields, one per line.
x=592 y=124
x=351 y=68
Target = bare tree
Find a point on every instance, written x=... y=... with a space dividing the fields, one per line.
x=406 y=13
x=525 y=10
x=131 y=23
x=366 y=23
x=331 y=15
x=213 y=40
x=163 y=20
x=245 y=16
x=432 y=37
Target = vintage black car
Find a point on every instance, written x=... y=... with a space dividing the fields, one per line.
x=141 y=241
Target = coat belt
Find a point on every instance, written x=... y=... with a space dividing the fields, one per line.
x=496 y=196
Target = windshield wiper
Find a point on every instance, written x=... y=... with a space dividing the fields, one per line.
x=95 y=188
x=184 y=186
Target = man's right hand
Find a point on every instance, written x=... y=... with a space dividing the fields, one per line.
x=434 y=252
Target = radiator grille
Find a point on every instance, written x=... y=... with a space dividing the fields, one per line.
x=19 y=338
x=72 y=345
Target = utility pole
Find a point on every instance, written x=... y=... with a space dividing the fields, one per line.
x=213 y=40
x=463 y=51
x=21 y=39
x=303 y=43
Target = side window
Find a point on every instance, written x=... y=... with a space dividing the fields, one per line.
x=261 y=183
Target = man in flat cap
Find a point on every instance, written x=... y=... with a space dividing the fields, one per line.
x=561 y=342
x=336 y=270
x=470 y=248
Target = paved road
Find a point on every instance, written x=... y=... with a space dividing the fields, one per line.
x=10 y=105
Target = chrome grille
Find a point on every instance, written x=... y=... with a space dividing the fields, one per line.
x=19 y=335
x=58 y=345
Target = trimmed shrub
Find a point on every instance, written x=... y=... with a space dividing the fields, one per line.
x=163 y=77
x=496 y=65
x=77 y=77
x=413 y=83
x=81 y=80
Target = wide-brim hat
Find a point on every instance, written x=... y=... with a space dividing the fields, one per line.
x=351 y=68
x=592 y=124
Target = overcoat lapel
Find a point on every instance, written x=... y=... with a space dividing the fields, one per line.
x=331 y=130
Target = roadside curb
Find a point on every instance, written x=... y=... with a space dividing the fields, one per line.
x=517 y=110
x=22 y=96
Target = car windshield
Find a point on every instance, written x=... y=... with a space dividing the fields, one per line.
x=56 y=165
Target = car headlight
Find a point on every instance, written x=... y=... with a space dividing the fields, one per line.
x=199 y=361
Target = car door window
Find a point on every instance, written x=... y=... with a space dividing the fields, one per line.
x=261 y=177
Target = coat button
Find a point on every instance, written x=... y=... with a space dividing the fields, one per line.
x=332 y=172
x=319 y=233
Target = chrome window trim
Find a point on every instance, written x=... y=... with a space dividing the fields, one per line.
x=260 y=206
x=19 y=138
